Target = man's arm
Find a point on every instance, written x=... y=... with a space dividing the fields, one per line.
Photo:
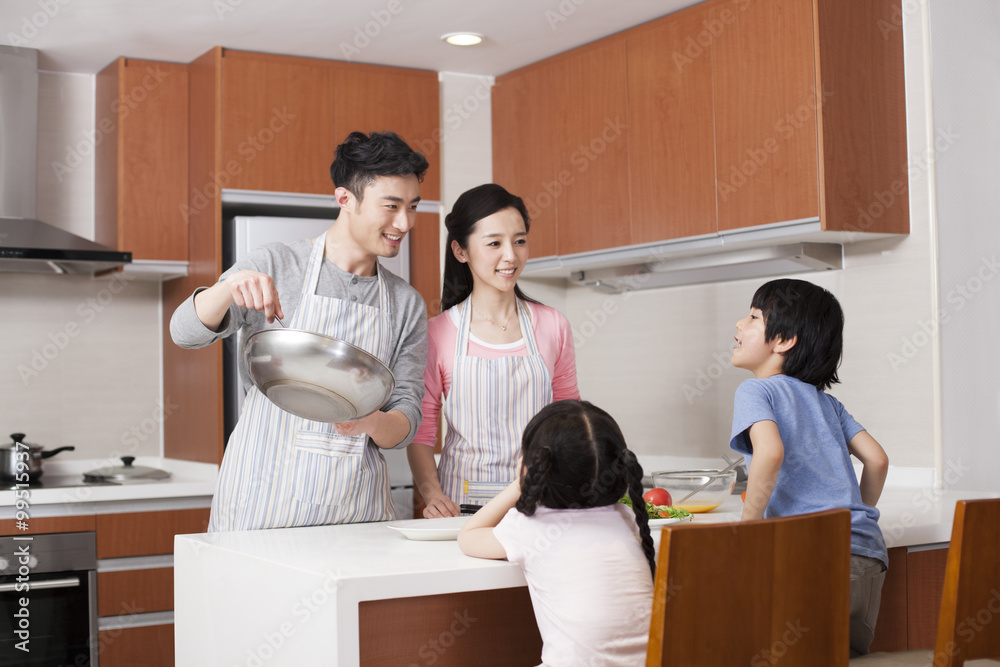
x=768 y=453
x=247 y=289
x=875 y=466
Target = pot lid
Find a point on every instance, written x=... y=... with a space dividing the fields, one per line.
x=124 y=473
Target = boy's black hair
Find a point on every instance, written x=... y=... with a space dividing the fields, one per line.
x=364 y=157
x=574 y=456
x=798 y=309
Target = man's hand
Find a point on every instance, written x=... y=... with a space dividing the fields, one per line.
x=255 y=291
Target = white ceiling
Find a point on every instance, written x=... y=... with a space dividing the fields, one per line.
x=85 y=35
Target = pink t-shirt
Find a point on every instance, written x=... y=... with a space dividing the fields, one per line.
x=589 y=581
x=554 y=339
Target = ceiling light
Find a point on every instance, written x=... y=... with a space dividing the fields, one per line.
x=463 y=38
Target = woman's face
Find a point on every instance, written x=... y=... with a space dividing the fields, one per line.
x=496 y=250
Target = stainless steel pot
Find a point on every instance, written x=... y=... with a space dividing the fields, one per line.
x=315 y=376
x=22 y=462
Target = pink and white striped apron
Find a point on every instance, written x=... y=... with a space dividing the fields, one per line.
x=490 y=403
x=280 y=470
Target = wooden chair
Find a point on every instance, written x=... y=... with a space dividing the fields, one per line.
x=969 y=621
x=755 y=593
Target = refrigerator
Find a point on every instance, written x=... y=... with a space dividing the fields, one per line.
x=241 y=235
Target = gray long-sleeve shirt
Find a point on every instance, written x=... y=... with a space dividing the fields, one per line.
x=287 y=266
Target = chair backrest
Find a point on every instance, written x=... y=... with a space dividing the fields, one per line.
x=753 y=593
x=969 y=622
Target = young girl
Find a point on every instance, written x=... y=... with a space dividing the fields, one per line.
x=587 y=558
x=494 y=357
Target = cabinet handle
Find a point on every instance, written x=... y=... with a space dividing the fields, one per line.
x=69 y=582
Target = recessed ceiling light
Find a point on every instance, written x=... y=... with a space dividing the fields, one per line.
x=463 y=38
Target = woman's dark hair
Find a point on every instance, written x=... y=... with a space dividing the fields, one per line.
x=364 y=157
x=472 y=206
x=574 y=457
x=812 y=315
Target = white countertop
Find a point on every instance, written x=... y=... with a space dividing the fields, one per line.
x=191 y=484
x=243 y=594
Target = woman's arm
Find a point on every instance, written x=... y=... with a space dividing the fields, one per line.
x=425 y=477
x=768 y=453
x=476 y=537
x=564 y=385
x=875 y=466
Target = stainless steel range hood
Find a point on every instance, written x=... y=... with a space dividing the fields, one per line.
x=28 y=245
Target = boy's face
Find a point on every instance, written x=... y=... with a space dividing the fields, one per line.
x=752 y=351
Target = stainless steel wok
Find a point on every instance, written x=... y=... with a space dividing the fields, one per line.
x=315 y=376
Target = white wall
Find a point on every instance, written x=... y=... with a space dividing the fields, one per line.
x=80 y=360
x=965 y=50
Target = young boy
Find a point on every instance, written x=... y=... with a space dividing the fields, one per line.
x=798 y=440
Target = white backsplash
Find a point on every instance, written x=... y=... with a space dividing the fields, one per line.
x=80 y=364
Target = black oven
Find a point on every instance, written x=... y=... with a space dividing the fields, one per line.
x=48 y=594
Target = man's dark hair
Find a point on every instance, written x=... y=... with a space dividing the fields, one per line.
x=364 y=157
x=812 y=315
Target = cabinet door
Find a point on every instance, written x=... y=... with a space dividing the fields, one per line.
x=377 y=99
x=671 y=128
x=766 y=107
x=146 y=533
x=524 y=149
x=149 y=646
x=141 y=192
x=591 y=125
x=425 y=260
x=277 y=124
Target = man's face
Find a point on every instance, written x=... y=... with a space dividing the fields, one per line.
x=382 y=218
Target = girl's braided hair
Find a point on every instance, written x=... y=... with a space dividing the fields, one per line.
x=574 y=456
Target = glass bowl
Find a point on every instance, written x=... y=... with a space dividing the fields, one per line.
x=679 y=483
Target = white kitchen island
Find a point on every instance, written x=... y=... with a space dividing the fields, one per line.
x=298 y=596
x=364 y=594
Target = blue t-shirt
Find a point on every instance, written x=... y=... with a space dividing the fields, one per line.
x=817 y=473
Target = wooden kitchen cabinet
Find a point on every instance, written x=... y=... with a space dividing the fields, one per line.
x=739 y=114
x=141 y=179
x=283 y=117
x=911 y=599
x=810 y=114
x=671 y=124
x=374 y=98
x=560 y=142
x=125 y=593
x=146 y=533
x=148 y=646
x=277 y=123
x=524 y=142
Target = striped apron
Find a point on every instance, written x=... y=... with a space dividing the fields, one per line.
x=282 y=471
x=490 y=403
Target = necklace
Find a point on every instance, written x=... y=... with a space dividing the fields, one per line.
x=502 y=327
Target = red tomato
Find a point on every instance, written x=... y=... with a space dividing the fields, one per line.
x=657 y=496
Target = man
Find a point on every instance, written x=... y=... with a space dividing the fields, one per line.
x=280 y=470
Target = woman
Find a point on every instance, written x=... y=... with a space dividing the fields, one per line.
x=495 y=357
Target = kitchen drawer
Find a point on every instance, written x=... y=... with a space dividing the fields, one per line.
x=135 y=591
x=146 y=533
x=147 y=646
x=53 y=524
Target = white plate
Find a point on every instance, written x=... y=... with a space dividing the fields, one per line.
x=430 y=529
x=656 y=523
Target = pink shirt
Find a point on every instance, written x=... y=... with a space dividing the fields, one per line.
x=553 y=336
